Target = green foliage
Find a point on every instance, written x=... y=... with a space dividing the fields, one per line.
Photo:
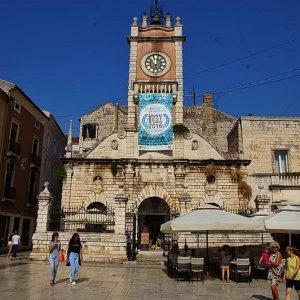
x=244 y=189
x=114 y=169
x=180 y=128
x=60 y=173
x=210 y=170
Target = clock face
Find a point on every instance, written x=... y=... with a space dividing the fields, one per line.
x=155 y=64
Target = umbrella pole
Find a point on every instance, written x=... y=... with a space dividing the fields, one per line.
x=290 y=239
x=207 y=262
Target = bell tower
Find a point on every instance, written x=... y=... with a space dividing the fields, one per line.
x=155 y=86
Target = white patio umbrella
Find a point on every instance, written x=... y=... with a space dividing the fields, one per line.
x=284 y=220
x=260 y=215
x=208 y=219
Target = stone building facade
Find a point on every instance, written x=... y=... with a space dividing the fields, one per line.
x=272 y=145
x=209 y=159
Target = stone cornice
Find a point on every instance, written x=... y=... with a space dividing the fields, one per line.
x=229 y=162
x=155 y=39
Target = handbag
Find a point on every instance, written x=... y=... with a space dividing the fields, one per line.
x=61 y=256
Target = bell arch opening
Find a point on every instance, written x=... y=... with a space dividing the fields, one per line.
x=152 y=212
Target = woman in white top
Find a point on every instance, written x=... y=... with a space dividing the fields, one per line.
x=54 y=248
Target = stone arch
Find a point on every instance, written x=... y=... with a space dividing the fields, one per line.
x=97 y=197
x=153 y=190
x=100 y=206
x=216 y=198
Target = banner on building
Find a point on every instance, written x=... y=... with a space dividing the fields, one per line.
x=155 y=122
x=145 y=237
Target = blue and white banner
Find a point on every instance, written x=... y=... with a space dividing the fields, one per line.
x=155 y=122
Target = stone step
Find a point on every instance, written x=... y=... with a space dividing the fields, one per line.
x=152 y=257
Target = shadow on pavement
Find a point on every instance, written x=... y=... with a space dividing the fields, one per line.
x=260 y=297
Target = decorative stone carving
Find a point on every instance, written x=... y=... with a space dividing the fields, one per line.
x=188 y=134
x=114 y=145
x=121 y=134
x=195 y=145
x=98 y=184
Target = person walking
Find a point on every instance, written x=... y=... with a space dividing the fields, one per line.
x=54 y=247
x=74 y=256
x=274 y=272
x=9 y=245
x=292 y=272
x=16 y=242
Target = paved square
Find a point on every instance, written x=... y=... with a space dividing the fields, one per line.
x=24 y=279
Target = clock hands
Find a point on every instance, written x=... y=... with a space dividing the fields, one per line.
x=154 y=59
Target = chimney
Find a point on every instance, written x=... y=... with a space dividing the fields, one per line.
x=208 y=126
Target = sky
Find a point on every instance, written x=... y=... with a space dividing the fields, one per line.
x=71 y=56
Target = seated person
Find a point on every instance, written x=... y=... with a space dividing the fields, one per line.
x=186 y=251
x=174 y=249
x=224 y=260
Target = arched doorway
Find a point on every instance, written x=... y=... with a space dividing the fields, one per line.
x=152 y=212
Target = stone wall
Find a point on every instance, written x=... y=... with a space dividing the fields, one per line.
x=143 y=180
x=111 y=118
x=103 y=247
x=258 y=137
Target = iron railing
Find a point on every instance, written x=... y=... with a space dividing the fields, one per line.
x=81 y=219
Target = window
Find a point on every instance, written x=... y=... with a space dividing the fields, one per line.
x=54 y=148
x=45 y=165
x=37 y=124
x=17 y=107
x=89 y=131
x=31 y=200
x=281 y=161
x=48 y=139
x=9 y=176
x=14 y=132
x=35 y=147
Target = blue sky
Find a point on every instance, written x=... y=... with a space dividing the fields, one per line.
x=72 y=56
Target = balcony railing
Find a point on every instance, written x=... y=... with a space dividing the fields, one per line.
x=35 y=161
x=9 y=193
x=285 y=179
x=155 y=87
x=14 y=148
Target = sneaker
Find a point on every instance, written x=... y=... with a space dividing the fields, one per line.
x=70 y=278
x=52 y=282
x=74 y=283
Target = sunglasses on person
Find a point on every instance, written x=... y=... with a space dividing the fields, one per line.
x=275 y=247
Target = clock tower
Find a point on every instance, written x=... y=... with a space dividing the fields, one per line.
x=155 y=87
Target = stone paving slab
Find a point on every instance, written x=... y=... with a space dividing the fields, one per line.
x=24 y=279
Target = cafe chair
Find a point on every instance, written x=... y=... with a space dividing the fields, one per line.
x=197 y=267
x=241 y=269
x=183 y=267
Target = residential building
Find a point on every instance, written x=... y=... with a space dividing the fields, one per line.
x=23 y=125
x=53 y=148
